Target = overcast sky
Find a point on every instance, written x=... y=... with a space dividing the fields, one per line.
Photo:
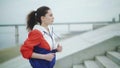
x=15 y=11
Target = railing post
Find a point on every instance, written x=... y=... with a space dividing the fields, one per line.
x=113 y=20
x=16 y=35
x=119 y=18
x=68 y=27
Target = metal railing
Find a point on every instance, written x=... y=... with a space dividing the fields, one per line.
x=16 y=26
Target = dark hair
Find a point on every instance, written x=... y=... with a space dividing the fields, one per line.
x=34 y=17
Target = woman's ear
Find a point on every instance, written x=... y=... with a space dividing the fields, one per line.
x=42 y=18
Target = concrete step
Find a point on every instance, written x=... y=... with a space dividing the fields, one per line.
x=78 y=66
x=105 y=62
x=91 y=64
x=114 y=56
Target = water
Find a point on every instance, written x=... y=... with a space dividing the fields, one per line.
x=7 y=34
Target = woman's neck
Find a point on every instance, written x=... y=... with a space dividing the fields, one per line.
x=45 y=26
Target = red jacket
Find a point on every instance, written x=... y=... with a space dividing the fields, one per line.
x=35 y=37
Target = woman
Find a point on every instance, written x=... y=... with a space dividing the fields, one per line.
x=40 y=46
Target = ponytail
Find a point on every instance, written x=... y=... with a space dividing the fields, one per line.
x=31 y=20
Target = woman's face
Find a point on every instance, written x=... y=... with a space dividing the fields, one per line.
x=48 y=18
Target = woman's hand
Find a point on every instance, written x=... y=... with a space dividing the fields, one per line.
x=59 y=48
x=49 y=56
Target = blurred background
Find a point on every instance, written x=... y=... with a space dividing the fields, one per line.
x=72 y=17
x=65 y=11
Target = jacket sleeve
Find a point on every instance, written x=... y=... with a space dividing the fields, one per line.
x=34 y=38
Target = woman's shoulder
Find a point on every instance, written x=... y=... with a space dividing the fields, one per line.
x=35 y=32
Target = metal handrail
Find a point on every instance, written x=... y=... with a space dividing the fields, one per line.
x=17 y=26
x=100 y=22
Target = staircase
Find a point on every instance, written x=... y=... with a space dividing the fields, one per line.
x=90 y=46
x=110 y=60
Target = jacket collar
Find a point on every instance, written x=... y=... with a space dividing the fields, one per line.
x=42 y=29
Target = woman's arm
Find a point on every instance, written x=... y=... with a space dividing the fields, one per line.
x=47 y=57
